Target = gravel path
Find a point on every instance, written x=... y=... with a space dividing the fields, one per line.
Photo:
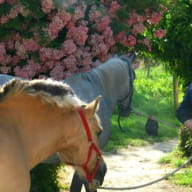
x=135 y=166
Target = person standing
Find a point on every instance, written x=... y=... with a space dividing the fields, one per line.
x=184 y=111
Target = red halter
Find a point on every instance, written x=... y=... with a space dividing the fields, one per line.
x=92 y=148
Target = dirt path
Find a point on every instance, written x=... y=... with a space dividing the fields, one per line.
x=136 y=166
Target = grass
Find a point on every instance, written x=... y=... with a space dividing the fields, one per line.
x=176 y=159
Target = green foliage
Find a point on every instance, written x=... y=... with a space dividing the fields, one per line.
x=4 y=8
x=139 y=5
x=184 y=178
x=176 y=159
x=177 y=48
x=34 y=6
x=185 y=142
x=44 y=178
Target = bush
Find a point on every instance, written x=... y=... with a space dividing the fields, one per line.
x=185 y=141
x=44 y=178
x=40 y=38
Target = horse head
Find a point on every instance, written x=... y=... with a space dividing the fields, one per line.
x=124 y=103
x=83 y=152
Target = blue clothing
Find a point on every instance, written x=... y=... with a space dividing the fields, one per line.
x=184 y=112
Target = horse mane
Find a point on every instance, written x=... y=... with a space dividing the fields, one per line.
x=49 y=91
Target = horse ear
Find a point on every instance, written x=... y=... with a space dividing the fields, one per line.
x=91 y=108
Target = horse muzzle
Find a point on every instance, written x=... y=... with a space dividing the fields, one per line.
x=99 y=177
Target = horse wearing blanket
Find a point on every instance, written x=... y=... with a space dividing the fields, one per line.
x=39 y=118
x=114 y=81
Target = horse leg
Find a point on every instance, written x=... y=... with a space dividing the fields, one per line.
x=76 y=183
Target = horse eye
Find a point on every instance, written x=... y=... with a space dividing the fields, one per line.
x=99 y=133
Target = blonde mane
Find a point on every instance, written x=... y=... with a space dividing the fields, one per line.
x=49 y=91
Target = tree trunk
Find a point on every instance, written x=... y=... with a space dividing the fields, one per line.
x=175 y=91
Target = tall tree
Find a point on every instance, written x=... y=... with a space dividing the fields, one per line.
x=176 y=49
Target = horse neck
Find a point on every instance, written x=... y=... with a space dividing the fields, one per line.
x=37 y=125
x=113 y=76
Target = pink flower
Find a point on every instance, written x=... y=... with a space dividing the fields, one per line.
x=146 y=42
x=28 y=71
x=45 y=54
x=103 y=57
x=131 y=41
x=80 y=35
x=30 y=45
x=57 y=54
x=15 y=60
x=70 y=63
x=155 y=18
x=98 y=49
x=57 y=72
x=79 y=13
x=4 y=19
x=2 y=1
x=138 y=28
x=46 y=5
x=114 y=7
x=159 y=33
x=7 y=59
x=20 y=50
x=58 y=22
x=53 y=30
x=64 y=16
x=68 y=47
x=85 y=69
x=136 y=64
x=120 y=37
x=101 y=25
x=135 y=18
x=13 y=12
x=48 y=65
x=10 y=1
x=10 y=45
x=2 y=49
x=94 y=14
x=67 y=74
x=95 y=39
x=5 y=69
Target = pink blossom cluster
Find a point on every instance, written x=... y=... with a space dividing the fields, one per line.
x=159 y=33
x=8 y=1
x=57 y=23
x=13 y=12
x=137 y=24
x=47 y=5
x=73 y=41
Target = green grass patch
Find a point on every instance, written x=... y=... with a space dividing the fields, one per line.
x=176 y=159
x=184 y=178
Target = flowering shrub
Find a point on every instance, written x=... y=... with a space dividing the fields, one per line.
x=54 y=38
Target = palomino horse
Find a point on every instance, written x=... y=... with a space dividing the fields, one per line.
x=39 y=118
x=114 y=81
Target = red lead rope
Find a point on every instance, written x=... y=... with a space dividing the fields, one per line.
x=92 y=148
